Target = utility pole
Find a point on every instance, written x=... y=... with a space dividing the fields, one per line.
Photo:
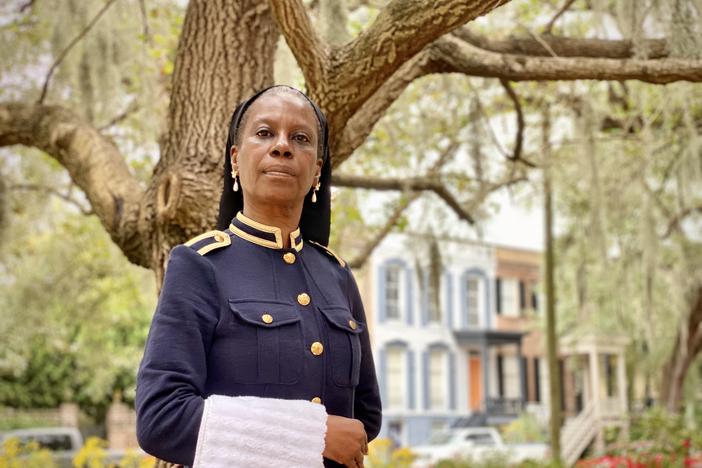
x=551 y=339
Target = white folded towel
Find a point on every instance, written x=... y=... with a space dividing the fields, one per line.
x=252 y=432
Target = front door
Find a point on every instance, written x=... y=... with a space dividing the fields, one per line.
x=474 y=372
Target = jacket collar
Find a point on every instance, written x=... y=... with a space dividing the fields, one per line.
x=262 y=234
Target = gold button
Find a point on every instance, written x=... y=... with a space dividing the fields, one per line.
x=317 y=348
x=353 y=324
x=316 y=400
x=219 y=237
x=267 y=318
x=289 y=258
x=303 y=299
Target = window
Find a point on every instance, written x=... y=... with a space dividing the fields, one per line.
x=480 y=439
x=392 y=292
x=509 y=297
x=396 y=377
x=537 y=380
x=473 y=301
x=535 y=297
x=437 y=379
x=512 y=381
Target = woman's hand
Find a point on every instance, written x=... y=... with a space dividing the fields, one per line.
x=346 y=441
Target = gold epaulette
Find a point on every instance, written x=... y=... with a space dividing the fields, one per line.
x=209 y=241
x=330 y=252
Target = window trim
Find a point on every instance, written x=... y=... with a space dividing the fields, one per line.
x=483 y=299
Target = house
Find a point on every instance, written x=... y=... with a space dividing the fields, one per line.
x=440 y=355
x=455 y=329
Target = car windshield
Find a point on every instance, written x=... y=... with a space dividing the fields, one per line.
x=480 y=439
x=439 y=438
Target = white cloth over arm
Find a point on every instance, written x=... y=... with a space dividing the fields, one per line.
x=254 y=432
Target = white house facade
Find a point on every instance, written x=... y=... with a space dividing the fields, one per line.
x=435 y=358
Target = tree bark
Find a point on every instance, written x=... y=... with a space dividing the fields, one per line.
x=548 y=45
x=225 y=53
x=550 y=290
x=458 y=56
x=93 y=162
x=688 y=345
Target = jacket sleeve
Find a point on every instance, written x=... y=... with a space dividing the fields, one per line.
x=367 y=405
x=171 y=378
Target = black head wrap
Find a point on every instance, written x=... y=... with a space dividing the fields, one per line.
x=316 y=217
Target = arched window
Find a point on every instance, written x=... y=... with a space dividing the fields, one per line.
x=397 y=375
x=439 y=378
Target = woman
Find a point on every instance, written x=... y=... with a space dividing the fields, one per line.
x=258 y=354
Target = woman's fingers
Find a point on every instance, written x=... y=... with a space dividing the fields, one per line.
x=359 y=460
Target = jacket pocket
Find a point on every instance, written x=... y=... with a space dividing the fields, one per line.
x=267 y=341
x=343 y=335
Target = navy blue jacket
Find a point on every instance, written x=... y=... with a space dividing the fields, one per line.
x=240 y=315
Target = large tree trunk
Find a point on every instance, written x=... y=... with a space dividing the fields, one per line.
x=688 y=344
x=226 y=52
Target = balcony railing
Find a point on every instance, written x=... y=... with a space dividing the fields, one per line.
x=504 y=406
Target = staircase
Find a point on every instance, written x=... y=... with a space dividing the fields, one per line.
x=577 y=433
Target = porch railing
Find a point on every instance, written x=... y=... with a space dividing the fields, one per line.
x=504 y=406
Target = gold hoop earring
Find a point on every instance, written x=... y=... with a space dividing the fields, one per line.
x=236 y=182
x=314 y=192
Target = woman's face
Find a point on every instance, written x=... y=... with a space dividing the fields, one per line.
x=276 y=155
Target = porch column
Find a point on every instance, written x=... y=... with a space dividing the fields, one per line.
x=485 y=358
x=621 y=382
x=522 y=376
x=595 y=393
x=594 y=382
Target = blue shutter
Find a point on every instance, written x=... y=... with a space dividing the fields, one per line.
x=498 y=295
x=425 y=300
x=382 y=294
x=410 y=379
x=464 y=301
x=383 y=358
x=448 y=287
x=452 y=380
x=425 y=378
x=409 y=296
x=488 y=308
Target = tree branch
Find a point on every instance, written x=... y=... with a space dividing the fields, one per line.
x=64 y=196
x=360 y=259
x=92 y=161
x=68 y=48
x=547 y=45
x=308 y=48
x=676 y=221
x=145 y=22
x=432 y=184
x=131 y=108
x=519 y=138
x=26 y=6
x=402 y=29
x=559 y=13
x=455 y=56
x=360 y=125
x=402 y=205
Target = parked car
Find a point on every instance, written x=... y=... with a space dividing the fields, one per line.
x=476 y=443
x=63 y=443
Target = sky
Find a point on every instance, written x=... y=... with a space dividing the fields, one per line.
x=516 y=224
